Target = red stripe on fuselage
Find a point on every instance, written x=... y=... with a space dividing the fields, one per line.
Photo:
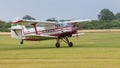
x=48 y=31
x=53 y=32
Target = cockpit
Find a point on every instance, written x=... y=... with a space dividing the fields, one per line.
x=61 y=25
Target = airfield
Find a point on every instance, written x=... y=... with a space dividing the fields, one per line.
x=94 y=49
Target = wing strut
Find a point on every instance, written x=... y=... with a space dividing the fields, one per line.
x=34 y=25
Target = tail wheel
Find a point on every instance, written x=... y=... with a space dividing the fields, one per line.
x=70 y=44
x=21 y=42
x=58 y=45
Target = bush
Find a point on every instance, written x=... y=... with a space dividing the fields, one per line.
x=4 y=26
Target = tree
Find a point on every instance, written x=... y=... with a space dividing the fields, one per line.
x=106 y=14
x=117 y=15
x=52 y=20
x=28 y=17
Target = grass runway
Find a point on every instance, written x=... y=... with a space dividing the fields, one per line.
x=92 y=50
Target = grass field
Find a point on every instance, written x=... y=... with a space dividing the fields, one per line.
x=92 y=50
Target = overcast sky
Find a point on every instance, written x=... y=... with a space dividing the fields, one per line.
x=60 y=9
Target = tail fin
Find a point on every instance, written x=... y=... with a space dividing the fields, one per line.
x=17 y=30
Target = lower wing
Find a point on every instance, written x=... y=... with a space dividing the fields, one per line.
x=39 y=37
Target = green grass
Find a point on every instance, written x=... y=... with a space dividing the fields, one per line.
x=92 y=50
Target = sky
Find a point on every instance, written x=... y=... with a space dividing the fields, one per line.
x=59 y=9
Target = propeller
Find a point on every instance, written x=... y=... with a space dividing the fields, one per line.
x=78 y=28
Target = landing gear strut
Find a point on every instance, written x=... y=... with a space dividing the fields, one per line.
x=66 y=40
x=21 y=41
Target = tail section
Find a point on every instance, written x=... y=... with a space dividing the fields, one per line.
x=16 y=32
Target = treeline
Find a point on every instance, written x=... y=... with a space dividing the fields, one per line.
x=4 y=26
x=100 y=24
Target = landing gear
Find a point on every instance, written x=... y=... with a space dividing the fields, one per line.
x=21 y=42
x=65 y=39
x=58 y=43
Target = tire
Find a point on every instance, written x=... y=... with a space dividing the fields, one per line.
x=70 y=44
x=57 y=45
x=21 y=42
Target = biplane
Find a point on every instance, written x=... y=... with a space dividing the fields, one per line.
x=43 y=30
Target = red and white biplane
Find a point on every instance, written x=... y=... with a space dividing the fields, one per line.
x=43 y=30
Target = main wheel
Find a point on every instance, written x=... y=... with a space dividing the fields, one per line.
x=70 y=44
x=58 y=45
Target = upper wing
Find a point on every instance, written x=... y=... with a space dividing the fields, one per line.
x=28 y=23
x=46 y=24
x=38 y=21
x=78 y=21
